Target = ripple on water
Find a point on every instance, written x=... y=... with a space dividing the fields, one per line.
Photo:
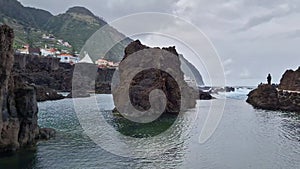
x=245 y=138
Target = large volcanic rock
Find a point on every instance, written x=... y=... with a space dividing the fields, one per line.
x=265 y=97
x=286 y=97
x=178 y=94
x=18 y=104
x=290 y=80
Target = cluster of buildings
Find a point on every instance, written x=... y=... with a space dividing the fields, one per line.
x=63 y=53
x=64 y=56
x=58 y=41
x=102 y=63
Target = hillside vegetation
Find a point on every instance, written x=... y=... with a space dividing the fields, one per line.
x=75 y=26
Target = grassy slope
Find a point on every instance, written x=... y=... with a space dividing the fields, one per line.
x=75 y=26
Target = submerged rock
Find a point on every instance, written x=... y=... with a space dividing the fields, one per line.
x=46 y=134
x=18 y=103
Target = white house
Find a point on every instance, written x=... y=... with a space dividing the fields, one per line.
x=24 y=50
x=67 y=58
x=48 y=52
x=66 y=44
x=104 y=63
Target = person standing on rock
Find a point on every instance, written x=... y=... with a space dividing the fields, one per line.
x=269 y=78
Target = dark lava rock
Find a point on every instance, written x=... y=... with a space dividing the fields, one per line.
x=44 y=71
x=45 y=93
x=49 y=73
x=78 y=94
x=46 y=134
x=286 y=97
x=229 y=89
x=147 y=80
x=290 y=80
x=205 y=95
x=103 y=80
x=222 y=89
x=18 y=104
x=265 y=97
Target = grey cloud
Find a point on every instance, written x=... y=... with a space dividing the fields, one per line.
x=286 y=35
x=273 y=42
x=293 y=34
x=280 y=11
x=108 y=9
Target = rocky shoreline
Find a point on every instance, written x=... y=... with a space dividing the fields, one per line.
x=285 y=97
x=50 y=76
x=18 y=102
x=27 y=79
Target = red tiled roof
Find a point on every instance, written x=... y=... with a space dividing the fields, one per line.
x=66 y=55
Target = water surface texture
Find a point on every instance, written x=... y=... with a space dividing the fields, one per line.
x=245 y=138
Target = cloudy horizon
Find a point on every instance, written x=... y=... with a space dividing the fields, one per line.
x=252 y=38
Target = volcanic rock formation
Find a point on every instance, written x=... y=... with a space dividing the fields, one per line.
x=18 y=104
x=179 y=96
x=286 y=97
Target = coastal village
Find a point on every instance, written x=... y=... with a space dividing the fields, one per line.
x=64 y=106
x=58 y=48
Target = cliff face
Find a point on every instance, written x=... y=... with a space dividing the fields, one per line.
x=290 y=80
x=44 y=71
x=191 y=71
x=144 y=82
x=103 y=81
x=18 y=104
x=286 y=97
x=9 y=129
x=48 y=74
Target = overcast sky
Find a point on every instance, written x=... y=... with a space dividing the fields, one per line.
x=252 y=37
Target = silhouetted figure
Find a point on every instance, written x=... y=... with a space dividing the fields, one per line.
x=269 y=78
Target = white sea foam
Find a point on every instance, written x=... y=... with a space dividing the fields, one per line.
x=239 y=93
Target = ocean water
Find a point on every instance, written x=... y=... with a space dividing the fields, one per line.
x=244 y=138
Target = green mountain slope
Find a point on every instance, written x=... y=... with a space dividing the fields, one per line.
x=29 y=17
x=75 y=26
x=78 y=24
